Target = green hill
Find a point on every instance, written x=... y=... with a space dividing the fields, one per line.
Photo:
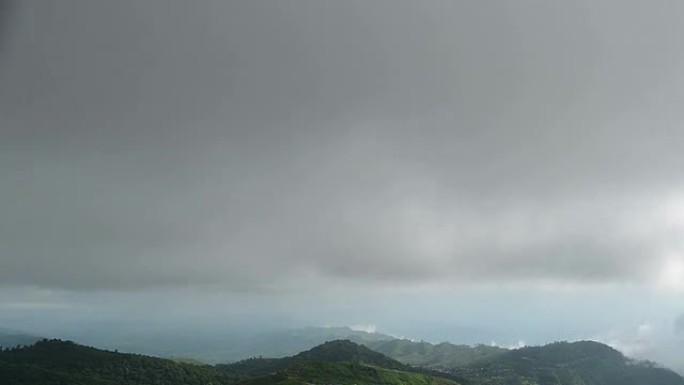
x=57 y=362
x=347 y=351
x=561 y=363
x=338 y=362
x=345 y=374
x=564 y=363
x=330 y=352
x=288 y=342
x=64 y=362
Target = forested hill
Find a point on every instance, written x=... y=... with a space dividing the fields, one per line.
x=347 y=351
x=561 y=363
x=330 y=352
x=345 y=373
x=57 y=362
x=340 y=362
x=289 y=342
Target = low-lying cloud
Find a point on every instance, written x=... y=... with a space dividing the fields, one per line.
x=650 y=341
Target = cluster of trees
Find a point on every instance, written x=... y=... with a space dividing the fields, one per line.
x=346 y=373
x=331 y=352
x=578 y=363
x=64 y=362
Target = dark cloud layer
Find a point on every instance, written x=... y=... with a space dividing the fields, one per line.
x=258 y=144
x=6 y=8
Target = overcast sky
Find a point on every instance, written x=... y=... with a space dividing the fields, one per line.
x=495 y=157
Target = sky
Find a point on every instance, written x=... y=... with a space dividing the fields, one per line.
x=497 y=172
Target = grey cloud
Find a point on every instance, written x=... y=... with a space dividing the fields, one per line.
x=6 y=7
x=250 y=143
x=679 y=324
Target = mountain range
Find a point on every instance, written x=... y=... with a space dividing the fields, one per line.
x=334 y=362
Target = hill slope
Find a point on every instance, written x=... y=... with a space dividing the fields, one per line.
x=563 y=363
x=335 y=362
x=64 y=362
x=345 y=374
x=347 y=351
x=338 y=351
x=339 y=362
x=284 y=343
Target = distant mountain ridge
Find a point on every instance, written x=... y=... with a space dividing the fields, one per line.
x=340 y=362
x=348 y=351
x=193 y=346
x=233 y=347
x=562 y=363
x=287 y=342
x=438 y=356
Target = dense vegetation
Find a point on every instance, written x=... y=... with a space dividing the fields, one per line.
x=63 y=362
x=563 y=363
x=347 y=351
x=330 y=352
x=288 y=342
x=57 y=362
x=345 y=374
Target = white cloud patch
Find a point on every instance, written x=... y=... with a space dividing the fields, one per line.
x=649 y=341
x=368 y=328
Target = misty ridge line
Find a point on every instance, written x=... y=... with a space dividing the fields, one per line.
x=341 y=360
